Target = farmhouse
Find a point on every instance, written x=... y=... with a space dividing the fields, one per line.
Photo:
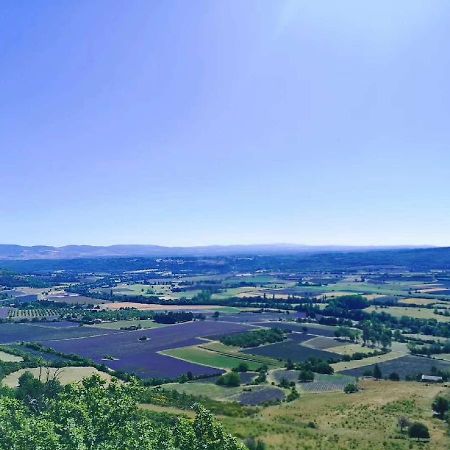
x=431 y=379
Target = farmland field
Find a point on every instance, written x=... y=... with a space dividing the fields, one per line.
x=125 y=351
x=198 y=355
x=405 y=365
x=344 y=366
x=65 y=375
x=259 y=395
x=291 y=350
x=11 y=332
x=312 y=328
x=8 y=357
x=363 y=421
x=417 y=313
x=117 y=325
x=323 y=343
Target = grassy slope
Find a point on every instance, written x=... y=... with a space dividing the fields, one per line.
x=363 y=421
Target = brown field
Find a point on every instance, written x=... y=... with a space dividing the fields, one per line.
x=154 y=307
x=417 y=301
x=66 y=375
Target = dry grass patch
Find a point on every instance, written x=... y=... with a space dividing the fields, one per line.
x=65 y=375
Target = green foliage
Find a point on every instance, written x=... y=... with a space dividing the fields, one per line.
x=97 y=416
x=306 y=376
x=254 y=338
x=440 y=406
x=394 y=376
x=377 y=372
x=316 y=365
x=242 y=367
x=170 y=397
x=293 y=395
x=350 y=302
x=253 y=444
x=351 y=388
x=418 y=430
x=231 y=379
x=347 y=332
x=284 y=383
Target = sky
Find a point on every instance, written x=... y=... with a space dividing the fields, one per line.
x=225 y=122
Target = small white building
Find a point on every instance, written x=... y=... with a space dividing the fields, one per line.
x=431 y=379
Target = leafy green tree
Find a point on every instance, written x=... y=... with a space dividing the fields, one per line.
x=440 y=406
x=231 y=379
x=305 y=376
x=377 y=372
x=418 y=430
x=351 y=388
x=94 y=415
x=394 y=376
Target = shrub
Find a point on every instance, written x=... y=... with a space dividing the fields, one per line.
x=418 y=430
x=351 y=388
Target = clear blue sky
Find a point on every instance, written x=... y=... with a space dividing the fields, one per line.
x=200 y=122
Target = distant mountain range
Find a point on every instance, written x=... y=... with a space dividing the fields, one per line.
x=20 y=252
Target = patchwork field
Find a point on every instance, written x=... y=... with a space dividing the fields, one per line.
x=408 y=365
x=138 y=351
x=365 y=421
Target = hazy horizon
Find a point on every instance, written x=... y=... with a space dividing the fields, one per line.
x=225 y=123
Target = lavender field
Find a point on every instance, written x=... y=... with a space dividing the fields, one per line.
x=125 y=350
x=17 y=332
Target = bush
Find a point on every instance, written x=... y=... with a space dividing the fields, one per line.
x=253 y=444
x=394 y=376
x=293 y=395
x=418 y=430
x=351 y=388
x=231 y=379
x=305 y=376
x=440 y=406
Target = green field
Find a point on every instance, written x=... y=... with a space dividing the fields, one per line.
x=206 y=390
x=211 y=358
x=234 y=352
x=416 y=313
x=148 y=323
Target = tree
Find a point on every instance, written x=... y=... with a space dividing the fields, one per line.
x=440 y=406
x=394 y=376
x=290 y=365
x=253 y=444
x=403 y=422
x=377 y=372
x=305 y=376
x=98 y=416
x=418 y=430
x=242 y=367
x=231 y=379
x=351 y=388
x=293 y=395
